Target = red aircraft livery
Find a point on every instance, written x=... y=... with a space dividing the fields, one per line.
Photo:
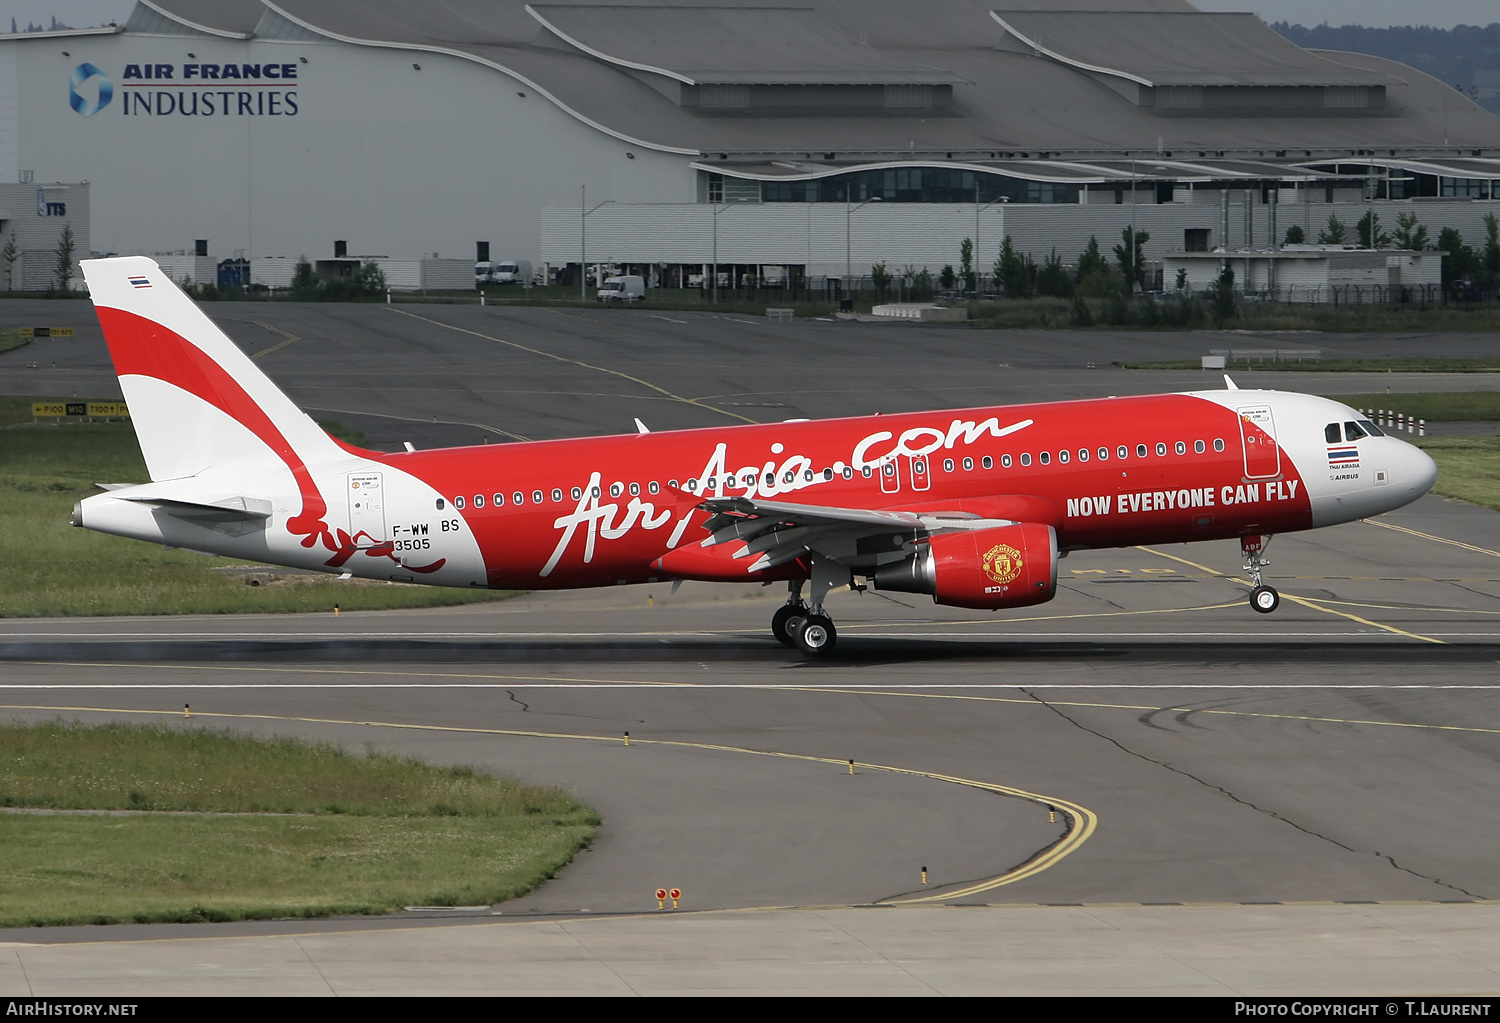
x=973 y=506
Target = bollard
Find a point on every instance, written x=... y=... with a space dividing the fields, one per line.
x=627 y=738
x=335 y=610
x=676 y=894
x=481 y=298
x=185 y=712
x=650 y=600
x=851 y=767
x=661 y=898
x=924 y=874
x=1421 y=427
x=1051 y=814
x=387 y=296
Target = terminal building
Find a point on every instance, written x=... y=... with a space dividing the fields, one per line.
x=784 y=139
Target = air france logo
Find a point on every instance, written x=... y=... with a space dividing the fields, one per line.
x=89 y=90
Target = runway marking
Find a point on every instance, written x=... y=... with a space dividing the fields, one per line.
x=1433 y=537
x=1400 y=607
x=1081 y=822
x=1304 y=601
x=290 y=339
x=578 y=362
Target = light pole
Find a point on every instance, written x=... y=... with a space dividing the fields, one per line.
x=717 y=209
x=583 y=240
x=848 y=246
x=978 y=209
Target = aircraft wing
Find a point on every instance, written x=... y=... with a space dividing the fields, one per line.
x=775 y=532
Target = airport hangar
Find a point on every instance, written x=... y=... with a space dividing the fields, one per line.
x=781 y=139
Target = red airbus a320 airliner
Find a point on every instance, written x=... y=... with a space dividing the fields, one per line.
x=973 y=506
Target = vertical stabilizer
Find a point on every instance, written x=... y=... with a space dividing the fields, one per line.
x=197 y=402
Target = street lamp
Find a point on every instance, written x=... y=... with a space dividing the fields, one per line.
x=717 y=209
x=848 y=219
x=583 y=240
x=978 y=209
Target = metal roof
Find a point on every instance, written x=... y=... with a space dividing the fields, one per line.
x=759 y=45
x=1008 y=105
x=1164 y=48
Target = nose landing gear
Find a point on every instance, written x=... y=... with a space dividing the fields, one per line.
x=1263 y=598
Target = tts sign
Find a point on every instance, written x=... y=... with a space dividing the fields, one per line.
x=47 y=208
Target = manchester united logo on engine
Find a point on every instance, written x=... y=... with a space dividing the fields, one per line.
x=1002 y=563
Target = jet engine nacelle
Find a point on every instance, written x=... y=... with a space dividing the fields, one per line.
x=1006 y=566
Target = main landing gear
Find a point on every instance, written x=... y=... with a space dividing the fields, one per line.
x=1263 y=598
x=805 y=627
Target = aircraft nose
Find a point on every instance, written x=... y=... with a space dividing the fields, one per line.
x=1418 y=471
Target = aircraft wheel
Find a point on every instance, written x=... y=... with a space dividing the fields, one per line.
x=785 y=622
x=816 y=635
x=1264 y=599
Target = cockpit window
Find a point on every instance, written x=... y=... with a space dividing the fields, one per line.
x=1331 y=433
x=1352 y=431
x=1371 y=430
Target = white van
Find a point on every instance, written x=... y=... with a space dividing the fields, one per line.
x=513 y=271
x=482 y=271
x=622 y=289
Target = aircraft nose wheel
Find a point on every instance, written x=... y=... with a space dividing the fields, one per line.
x=1265 y=599
x=816 y=635
x=785 y=623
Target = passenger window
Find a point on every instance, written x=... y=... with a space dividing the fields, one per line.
x=1104 y=454
x=653 y=488
x=1062 y=456
x=968 y=465
x=518 y=497
x=1083 y=454
x=635 y=490
x=807 y=475
x=615 y=488
x=1218 y=444
x=1331 y=433
x=867 y=472
x=947 y=465
x=1026 y=458
x=1005 y=461
x=440 y=504
x=1140 y=451
x=848 y=472
x=692 y=486
x=499 y=499
x=887 y=468
x=1045 y=458
x=1198 y=446
x=458 y=502
x=1352 y=431
x=479 y=500
x=670 y=483
x=594 y=493
x=578 y=493
x=987 y=462
x=827 y=475
x=1161 y=449
x=1123 y=451
x=1181 y=448
x=556 y=495
x=536 y=497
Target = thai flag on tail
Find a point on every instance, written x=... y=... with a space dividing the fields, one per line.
x=1346 y=455
x=139 y=282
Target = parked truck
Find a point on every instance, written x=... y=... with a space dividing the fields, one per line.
x=622 y=289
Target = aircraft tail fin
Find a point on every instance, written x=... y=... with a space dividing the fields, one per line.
x=197 y=402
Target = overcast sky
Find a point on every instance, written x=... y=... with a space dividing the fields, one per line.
x=1377 y=13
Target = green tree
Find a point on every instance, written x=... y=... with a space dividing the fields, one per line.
x=8 y=257
x=1091 y=261
x=966 y=265
x=1129 y=257
x=922 y=286
x=1182 y=278
x=1460 y=261
x=947 y=278
x=1335 y=233
x=305 y=284
x=64 y=267
x=371 y=279
x=1222 y=294
x=880 y=276
x=1011 y=271
x=1371 y=235
x=1491 y=246
x=1053 y=278
x=1295 y=235
x=1410 y=234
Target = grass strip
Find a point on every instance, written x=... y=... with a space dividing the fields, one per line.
x=10 y=337
x=54 y=569
x=1487 y=364
x=282 y=828
x=1436 y=407
x=1468 y=467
